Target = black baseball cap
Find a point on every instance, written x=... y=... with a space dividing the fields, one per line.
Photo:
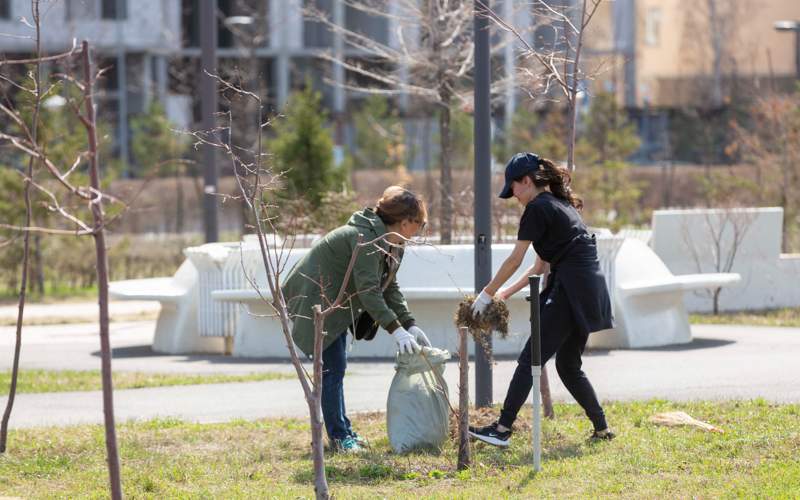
x=519 y=165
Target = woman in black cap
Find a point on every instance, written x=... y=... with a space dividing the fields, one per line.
x=575 y=301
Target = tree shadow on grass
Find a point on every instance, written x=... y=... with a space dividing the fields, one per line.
x=524 y=457
x=357 y=472
x=375 y=465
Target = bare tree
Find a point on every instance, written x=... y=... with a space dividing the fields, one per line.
x=772 y=145
x=557 y=65
x=714 y=47
x=257 y=183
x=27 y=142
x=98 y=232
x=724 y=231
x=429 y=56
x=34 y=127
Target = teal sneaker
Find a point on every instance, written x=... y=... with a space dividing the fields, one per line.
x=346 y=445
x=361 y=440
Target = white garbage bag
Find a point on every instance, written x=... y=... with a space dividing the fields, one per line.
x=417 y=412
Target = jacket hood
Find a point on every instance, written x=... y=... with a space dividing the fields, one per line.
x=369 y=220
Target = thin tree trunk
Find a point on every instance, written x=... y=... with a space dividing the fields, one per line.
x=102 y=282
x=38 y=264
x=574 y=80
x=446 y=188
x=12 y=391
x=315 y=410
x=547 y=400
x=178 y=202
x=463 y=401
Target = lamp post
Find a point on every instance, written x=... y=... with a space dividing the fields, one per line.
x=120 y=16
x=795 y=27
x=483 y=186
x=208 y=104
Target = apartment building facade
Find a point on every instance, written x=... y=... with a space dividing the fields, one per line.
x=655 y=54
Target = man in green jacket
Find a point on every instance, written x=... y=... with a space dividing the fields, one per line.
x=373 y=298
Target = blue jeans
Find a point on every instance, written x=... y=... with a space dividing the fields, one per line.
x=334 y=364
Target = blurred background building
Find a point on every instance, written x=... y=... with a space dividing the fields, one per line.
x=665 y=60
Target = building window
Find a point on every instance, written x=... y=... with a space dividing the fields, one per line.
x=652 y=26
x=315 y=33
x=5 y=9
x=109 y=9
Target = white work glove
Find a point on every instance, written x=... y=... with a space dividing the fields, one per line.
x=405 y=341
x=418 y=334
x=482 y=301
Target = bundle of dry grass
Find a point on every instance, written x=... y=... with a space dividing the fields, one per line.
x=679 y=418
x=494 y=319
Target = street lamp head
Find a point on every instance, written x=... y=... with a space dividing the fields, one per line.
x=239 y=20
x=787 y=25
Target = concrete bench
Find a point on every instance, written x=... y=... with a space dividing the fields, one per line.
x=649 y=300
x=646 y=297
x=177 y=327
x=433 y=280
x=748 y=241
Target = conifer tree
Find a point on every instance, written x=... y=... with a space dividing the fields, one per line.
x=303 y=148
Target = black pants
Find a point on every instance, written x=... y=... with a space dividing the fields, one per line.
x=559 y=338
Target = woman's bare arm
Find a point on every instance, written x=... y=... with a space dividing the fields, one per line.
x=508 y=268
x=539 y=267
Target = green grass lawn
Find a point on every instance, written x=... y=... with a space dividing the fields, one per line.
x=76 y=380
x=757 y=456
x=53 y=292
x=789 y=316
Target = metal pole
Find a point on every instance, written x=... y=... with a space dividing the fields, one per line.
x=338 y=88
x=208 y=103
x=536 y=371
x=797 y=50
x=483 y=205
x=282 y=28
x=122 y=88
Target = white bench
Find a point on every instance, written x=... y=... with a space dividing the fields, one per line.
x=433 y=280
x=649 y=300
x=646 y=297
x=177 y=326
x=696 y=240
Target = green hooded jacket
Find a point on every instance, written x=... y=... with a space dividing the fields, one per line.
x=372 y=287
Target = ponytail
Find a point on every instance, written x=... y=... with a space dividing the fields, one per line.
x=558 y=180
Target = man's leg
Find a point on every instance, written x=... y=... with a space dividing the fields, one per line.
x=568 y=365
x=334 y=364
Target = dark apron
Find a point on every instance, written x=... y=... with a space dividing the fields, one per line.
x=577 y=270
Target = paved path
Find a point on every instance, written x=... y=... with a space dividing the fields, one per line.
x=724 y=362
x=73 y=312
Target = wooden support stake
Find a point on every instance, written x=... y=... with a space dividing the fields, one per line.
x=463 y=400
x=547 y=400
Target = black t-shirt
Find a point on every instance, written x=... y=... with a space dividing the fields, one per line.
x=550 y=223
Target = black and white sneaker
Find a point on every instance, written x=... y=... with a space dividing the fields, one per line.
x=491 y=435
x=604 y=435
